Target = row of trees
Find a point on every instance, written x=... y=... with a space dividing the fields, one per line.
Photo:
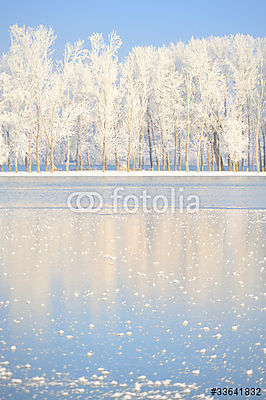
x=162 y=108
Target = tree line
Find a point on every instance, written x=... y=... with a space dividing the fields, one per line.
x=200 y=103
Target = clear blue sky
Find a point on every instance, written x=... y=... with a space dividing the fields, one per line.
x=138 y=22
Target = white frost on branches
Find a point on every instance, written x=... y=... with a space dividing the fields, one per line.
x=159 y=108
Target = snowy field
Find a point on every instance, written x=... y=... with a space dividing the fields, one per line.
x=132 y=306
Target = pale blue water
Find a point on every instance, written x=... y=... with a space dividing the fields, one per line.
x=145 y=305
x=131 y=306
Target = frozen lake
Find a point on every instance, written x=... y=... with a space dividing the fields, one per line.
x=133 y=306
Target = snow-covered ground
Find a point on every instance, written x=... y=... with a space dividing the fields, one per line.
x=134 y=173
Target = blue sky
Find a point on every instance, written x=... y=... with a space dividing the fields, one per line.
x=138 y=22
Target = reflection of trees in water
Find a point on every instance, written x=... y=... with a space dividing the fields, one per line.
x=45 y=252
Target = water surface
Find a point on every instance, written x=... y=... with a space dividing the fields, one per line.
x=140 y=306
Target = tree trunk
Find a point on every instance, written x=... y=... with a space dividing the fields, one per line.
x=187 y=138
x=264 y=149
x=81 y=162
x=253 y=153
x=51 y=147
x=67 y=160
x=249 y=142
x=26 y=163
x=167 y=160
x=9 y=158
x=38 y=141
x=163 y=147
x=175 y=162
x=143 y=149
x=212 y=151
x=128 y=153
x=200 y=138
x=155 y=148
x=104 y=155
x=116 y=161
x=77 y=154
x=260 y=158
x=208 y=152
x=49 y=143
x=16 y=155
x=258 y=126
x=2 y=168
x=201 y=157
x=229 y=164
x=30 y=154
x=37 y=152
x=88 y=157
x=216 y=149
x=150 y=148
x=134 y=160
x=219 y=147
x=163 y=159
x=16 y=163
x=179 y=151
x=46 y=159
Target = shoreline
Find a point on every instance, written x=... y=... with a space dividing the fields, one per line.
x=93 y=173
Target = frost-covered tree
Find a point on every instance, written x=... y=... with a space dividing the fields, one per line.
x=104 y=76
x=3 y=151
x=243 y=68
x=261 y=81
x=142 y=62
x=31 y=67
x=75 y=108
x=14 y=117
x=166 y=102
x=197 y=102
x=131 y=106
